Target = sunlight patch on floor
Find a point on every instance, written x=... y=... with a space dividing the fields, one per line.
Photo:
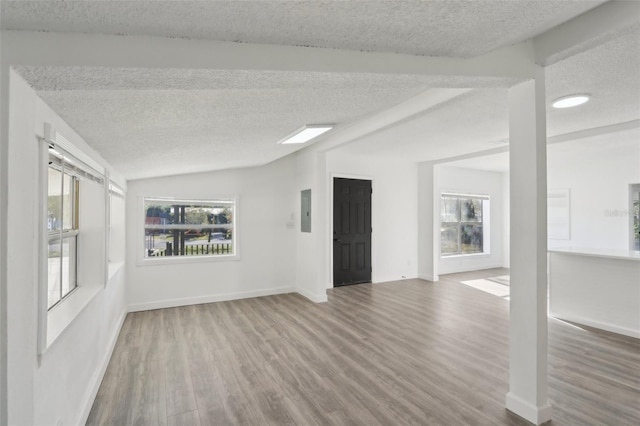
x=491 y=285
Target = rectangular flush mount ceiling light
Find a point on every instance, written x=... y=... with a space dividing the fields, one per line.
x=306 y=133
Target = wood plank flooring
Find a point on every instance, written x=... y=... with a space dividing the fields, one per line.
x=407 y=352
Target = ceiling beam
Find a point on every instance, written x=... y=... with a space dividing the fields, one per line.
x=586 y=31
x=99 y=50
x=594 y=131
x=389 y=117
x=565 y=137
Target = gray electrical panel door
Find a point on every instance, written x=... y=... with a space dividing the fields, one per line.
x=305 y=214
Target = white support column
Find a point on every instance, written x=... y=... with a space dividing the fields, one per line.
x=4 y=187
x=527 y=395
x=428 y=223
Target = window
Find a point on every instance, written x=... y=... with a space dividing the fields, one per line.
x=189 y=228
x=72 y=218
x=462 y=227
x=62 y=224
x=635 y=216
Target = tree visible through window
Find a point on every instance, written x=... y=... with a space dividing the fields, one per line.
x=636 y=224
x=188 y=227
x=62 y=224
x=461 y=224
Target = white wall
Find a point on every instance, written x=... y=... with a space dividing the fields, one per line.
x=467 y=181
x=577 y=293
x=91 y=241
x=428 y=226
x=312 y=270
x=394 y=211
x=117 y=230
x=597 y=173
x=62 y=386
x=267 y=245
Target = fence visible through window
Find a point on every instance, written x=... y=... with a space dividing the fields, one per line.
x=188 y=227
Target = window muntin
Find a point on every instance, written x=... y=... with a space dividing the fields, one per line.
x=461 y=220
x=189 y=228
x=62 y=226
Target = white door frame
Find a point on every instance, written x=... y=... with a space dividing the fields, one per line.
x=330 y=222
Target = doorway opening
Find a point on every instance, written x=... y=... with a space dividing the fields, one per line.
x=351 y=231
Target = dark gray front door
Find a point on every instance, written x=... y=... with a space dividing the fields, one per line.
x=351 y=231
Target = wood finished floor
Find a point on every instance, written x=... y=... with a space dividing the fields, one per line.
x=406 y=352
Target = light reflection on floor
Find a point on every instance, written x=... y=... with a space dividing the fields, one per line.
x=498 y=286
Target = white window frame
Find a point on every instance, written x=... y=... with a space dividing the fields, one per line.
x=53 y=322
x=63 y=234
x=169 y=260
x=484 y=222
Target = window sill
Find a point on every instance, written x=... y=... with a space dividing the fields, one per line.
x=114 y=267
x=173 y=260
x=456 y=256
x=60 y=317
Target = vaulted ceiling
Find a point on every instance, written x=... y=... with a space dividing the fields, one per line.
x=176 y=119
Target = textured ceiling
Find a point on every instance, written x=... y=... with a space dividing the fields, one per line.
x=610 y=73
x=460 y=126
x=170 y=121
x=145 y=124
x=96 y=78
x=565 y=153
x=436 y=28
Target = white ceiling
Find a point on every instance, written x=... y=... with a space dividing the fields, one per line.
x=432 y=28
x=610 y=73
x=564 y=153
x=169 y=121
x=148 y=123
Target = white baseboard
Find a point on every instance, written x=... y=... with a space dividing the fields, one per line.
x=390 y=278
x=315 y=298
x=448 y=269
x=534 y=414
x=432 y=278
x=172 y=303
x=598 y=324
x=99 y=375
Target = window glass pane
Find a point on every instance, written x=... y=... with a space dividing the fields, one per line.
x=67 y=200
x=166 y=214
x=212 y=236
x=54 y=200
x=461 y=224
x=449 y=211
x=471 y=238
x=68 y=265
x=449 y=239
x=54 y=272
x=636 y=222
x=471 y=210
x=189 y=242
x=62 y=247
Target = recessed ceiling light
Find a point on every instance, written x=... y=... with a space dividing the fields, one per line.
x=306 y=133
x=570 y=101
